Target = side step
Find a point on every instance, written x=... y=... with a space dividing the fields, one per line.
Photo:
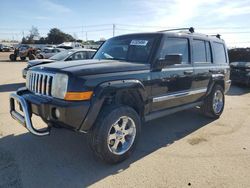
x=162 y=113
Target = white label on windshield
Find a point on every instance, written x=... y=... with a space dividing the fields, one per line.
x=139 y=42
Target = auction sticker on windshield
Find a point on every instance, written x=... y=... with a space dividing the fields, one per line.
x=139 y=42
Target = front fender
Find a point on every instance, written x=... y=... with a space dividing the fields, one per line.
x=106 y=89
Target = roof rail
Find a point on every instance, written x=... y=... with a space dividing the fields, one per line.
x=190 y=29
x=217 y=36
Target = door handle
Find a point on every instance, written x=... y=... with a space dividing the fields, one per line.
x=188 y=72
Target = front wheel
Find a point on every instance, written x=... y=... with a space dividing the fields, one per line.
x=12 y=57
x=115 y=133
x=214 y=103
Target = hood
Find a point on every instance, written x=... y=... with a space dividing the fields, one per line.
x=39 y=62
x=240 y=64
x=93 y=66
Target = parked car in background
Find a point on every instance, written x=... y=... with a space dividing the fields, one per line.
x=4 y=48
x=240 y=73
x=46 y=53
x=69 y=45
x=65 y=55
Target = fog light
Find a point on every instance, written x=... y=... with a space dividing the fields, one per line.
x=57 y=113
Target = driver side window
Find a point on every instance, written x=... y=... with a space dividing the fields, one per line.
x=176 y=46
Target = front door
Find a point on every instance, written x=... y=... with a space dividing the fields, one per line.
x=172 y=85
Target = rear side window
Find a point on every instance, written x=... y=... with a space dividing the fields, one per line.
x=176 y=46
x=201 y=51
x=208 y=51
x=219 y=53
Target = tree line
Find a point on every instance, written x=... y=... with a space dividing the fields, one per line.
x=55 y=36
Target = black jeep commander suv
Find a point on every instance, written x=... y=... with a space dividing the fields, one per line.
x=131 y=79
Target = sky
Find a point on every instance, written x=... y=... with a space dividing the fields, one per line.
x=95 y=19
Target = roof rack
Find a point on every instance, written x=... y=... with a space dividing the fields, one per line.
x=190 y=29
x=217 y=36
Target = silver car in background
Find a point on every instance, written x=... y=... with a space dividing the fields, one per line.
x=64 y=56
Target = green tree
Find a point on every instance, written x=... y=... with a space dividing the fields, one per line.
x=56 y=36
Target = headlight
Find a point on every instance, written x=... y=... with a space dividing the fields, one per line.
x=60 y=85
x=27 y=79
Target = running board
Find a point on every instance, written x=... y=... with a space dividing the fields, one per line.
x=162 y=113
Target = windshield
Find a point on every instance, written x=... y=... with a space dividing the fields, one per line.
x=61 y=55
x=132 y=48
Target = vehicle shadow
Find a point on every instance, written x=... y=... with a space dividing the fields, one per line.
x=17 y=61
x=11 y=87
x=238 y=90
x=64 y=159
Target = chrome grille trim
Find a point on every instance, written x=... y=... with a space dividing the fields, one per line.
x=40 y=83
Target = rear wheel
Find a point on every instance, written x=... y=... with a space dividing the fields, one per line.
x=23 y=58
x=32 y=57
x=214 y=103
x=115 y=133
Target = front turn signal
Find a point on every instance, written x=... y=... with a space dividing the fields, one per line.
x=78 y=96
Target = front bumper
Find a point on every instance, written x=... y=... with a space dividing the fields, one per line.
x=72 y=114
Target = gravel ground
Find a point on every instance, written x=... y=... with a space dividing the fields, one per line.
x=181 y=150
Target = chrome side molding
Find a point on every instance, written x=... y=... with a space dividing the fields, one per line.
x=179 y=94
x=26 y=119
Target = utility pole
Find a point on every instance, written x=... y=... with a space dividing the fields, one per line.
x=113 y=30
x=86 y=36
x=82 y=32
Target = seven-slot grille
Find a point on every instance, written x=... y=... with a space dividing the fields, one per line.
x=39 y=83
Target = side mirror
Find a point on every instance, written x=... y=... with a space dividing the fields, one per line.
x=170 y=59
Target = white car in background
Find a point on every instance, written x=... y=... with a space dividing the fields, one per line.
x=46 y=53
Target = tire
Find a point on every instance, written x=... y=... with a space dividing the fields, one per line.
x=12 y=57
x=213 y=107
x=40 y=56
x=106 y=137
x=32 y=57
x=23 y=58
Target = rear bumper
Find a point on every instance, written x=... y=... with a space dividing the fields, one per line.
x=71 y=114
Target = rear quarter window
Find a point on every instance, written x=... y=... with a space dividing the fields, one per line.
x=219 y=53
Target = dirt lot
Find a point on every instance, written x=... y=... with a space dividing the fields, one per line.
x=180 y=150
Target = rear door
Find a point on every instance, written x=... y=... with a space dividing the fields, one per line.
x=203 y=64
x=172 y=84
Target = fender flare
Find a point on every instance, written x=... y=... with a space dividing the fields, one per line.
x=215 y=78
x=104 y=90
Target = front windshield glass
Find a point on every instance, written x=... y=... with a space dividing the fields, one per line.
x=132 y=48
x=61 y=55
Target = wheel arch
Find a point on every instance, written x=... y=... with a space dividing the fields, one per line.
x=125 y=92
x=216 y=79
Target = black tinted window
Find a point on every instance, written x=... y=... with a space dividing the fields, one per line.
x=208 y=51
x=176 y=46
x=199 y=51
x=219 y=53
